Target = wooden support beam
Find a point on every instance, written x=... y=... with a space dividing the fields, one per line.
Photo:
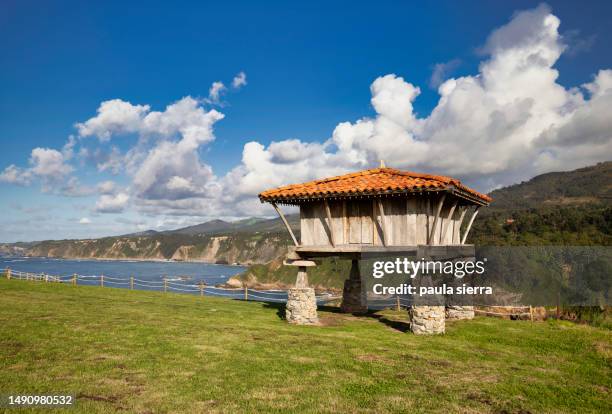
x=469 y=226
x=345 y=223
x=383 y=222
x=436 y=216
x=448 y=220
x=282 y=216
x=330 y=224
x=464 y=210
x=428 y=218
x=374 y=223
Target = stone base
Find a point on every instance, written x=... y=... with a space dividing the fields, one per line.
x=354 y=298
x=460 y=312
x=301 y=306
x=427 y=320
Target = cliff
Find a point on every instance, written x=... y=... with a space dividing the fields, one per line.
x=237 y=248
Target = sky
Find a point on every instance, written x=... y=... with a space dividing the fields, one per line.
x=116 y=117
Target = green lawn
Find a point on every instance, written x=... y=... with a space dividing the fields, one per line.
x=146 y=352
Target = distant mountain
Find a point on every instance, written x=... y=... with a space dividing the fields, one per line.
x=222 y=227
x=585 y=186
x=271 y=225
x=213 y=226
x=145 y=233
x=249 y=225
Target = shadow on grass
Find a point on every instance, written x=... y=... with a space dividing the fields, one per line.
x=402 y=326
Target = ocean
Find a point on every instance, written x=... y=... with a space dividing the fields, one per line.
x=153 y=271
x=177 y=277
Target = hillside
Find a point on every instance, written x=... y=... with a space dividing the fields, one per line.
x=140 y=352
x=237 y=248
x=559 y=208
x=585 y=186
x=247 y=241
x=250 y=225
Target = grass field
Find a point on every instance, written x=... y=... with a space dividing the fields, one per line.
x=150 y=352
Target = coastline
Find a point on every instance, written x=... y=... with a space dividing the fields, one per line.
x=127 y=259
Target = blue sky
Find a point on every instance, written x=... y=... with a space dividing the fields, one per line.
x=308 y=68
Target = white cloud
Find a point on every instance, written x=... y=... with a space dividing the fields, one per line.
x=168 y=168
x=112 y=203
x=184 y=117
x=73 y=188
x=84 y=220
x=46 y=164
x=239 y=80
x=49 y=164
x=68 y=148
x=441 y=71
x=15 y=175
x=215 y=91
x=114 y=117
x=109 y=161
x=107 y=187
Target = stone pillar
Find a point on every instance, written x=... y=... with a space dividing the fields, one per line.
x=301 y=306
x=460 y=312
x=354 y=295
x=427 y=320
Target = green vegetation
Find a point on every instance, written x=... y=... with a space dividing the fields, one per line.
x=329 y=274
x=571 y=208
x=152 y=352
x=584 y=186
x=240 y=247
x=560 y=226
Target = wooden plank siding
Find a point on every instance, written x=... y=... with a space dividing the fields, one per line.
x=408 y=221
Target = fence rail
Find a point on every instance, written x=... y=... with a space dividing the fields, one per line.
x=245 y=293
x=200 y=288
x=166 y=285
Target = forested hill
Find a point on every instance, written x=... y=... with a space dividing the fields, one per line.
x=585 y=186
x=560 y=208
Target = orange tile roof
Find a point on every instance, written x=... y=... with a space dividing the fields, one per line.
x=371 y=182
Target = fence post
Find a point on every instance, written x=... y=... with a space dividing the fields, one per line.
x=531 y=313
x=201 y=288
x=8 y=273
x=397 y=303
x=74 y=279
x=246 y=292
x=46 y=278
x=132 y=282
x=165 y=285
x=101 y=280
